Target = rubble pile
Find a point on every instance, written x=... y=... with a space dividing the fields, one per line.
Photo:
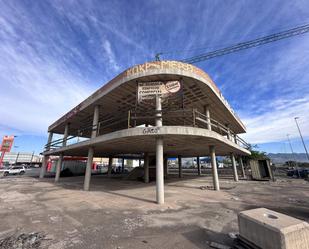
x=22 y=241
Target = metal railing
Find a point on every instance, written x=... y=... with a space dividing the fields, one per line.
x=185 y=117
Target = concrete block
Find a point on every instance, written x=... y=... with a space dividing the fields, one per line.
x=268 y=229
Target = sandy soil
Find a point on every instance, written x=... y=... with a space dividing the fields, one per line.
x=120 y=214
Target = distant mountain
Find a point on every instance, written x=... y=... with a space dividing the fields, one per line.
x=283 y=157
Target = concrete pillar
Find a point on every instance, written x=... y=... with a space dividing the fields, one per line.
x=159 y=171
x=159 y=155
x=158 y=111
x=146 y=168
x=88 y=169
x=110 y=166
x=45 y=158
x=235 y=138
x=95 y=121
x=66 y=134
x=58 y=167
x=234 y=167
x=228 y=132
x=199 y=171
x=214 y=167
x=165 y=166
x=179 y=167
x=242 y=167
x=207 y=114
x=122 y=166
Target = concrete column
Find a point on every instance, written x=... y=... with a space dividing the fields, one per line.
x=242 y=167
x=207 y=114
x=159 y=155
x=110 y=166
x=58 y=167
x=214 y=167
x=159 y=171
x=95 y=121
x=179 y=167
x=234 y=167
x=122 y=166
x=228 y=132
x=45 y=158
x=199 y=172
x=158 y=111
x=165 y=166
x=88 y=169
x=146 y=168
x=65 y=135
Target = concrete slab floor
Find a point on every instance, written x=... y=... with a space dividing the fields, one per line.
x=122 y=214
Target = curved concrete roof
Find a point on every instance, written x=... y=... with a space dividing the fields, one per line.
x=178 y=140
x=119 y=93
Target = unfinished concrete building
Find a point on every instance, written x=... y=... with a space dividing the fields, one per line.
x=157 y=109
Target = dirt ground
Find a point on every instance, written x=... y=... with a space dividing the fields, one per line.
x=118 y=213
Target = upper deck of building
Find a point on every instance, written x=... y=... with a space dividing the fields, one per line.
x=119 y=96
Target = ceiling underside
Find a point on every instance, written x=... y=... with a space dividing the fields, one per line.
x=115 y=106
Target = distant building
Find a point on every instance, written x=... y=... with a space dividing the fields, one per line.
x=21 y=158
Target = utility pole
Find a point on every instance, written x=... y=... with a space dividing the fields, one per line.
x=301 y=136
x=293 y=154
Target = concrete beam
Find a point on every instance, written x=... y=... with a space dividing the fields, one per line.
x=58 y=167
x=88 y=169
x=234 y=167
x=214 y=168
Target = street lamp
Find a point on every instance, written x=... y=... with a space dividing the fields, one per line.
x=301 y=136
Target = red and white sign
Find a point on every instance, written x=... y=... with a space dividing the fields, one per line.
x=7 y=143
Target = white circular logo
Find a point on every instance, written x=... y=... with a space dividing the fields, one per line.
x=173 y=86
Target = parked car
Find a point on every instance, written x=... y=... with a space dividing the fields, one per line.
x=15 y=170
x=300 y=173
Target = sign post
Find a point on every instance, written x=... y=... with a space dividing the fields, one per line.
x=6 y=146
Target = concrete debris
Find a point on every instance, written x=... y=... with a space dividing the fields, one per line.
x=232 y=235
x=219 y=246
x=23 y=240
x=205 y=187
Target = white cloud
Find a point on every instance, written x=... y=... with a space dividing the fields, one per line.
x=275 y=123
x=36 y=87
x=110 y=55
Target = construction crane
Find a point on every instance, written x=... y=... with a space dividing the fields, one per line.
x=246 y=45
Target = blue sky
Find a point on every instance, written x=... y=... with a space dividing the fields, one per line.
x=53 y=54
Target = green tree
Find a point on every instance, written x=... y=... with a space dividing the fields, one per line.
x=255 y=154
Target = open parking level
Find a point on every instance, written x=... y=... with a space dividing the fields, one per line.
x=122 y=214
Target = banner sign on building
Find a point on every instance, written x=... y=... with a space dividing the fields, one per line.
x=149 y=90
x=7 y=143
